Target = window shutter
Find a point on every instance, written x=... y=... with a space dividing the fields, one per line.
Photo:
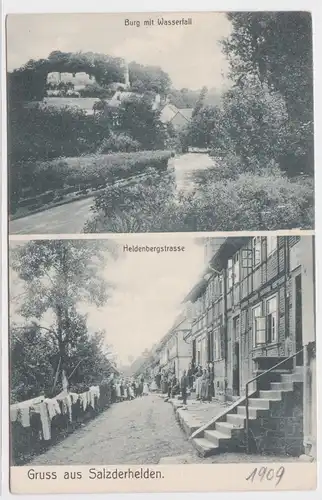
x=246 y=259
x=222 y=342
x=260 y=329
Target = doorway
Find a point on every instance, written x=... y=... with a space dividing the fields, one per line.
x=236 y=357
x=194 y=351
x=298 y=320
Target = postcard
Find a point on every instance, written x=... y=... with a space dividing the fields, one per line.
x=160 y=122
x=162 y=364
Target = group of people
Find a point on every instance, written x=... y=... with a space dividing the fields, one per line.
x=127 y=389
x=195 y=379
x=202 y=381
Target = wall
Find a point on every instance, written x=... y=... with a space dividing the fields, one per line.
x=281 y=430
x=306 y=252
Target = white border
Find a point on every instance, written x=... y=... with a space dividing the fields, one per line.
x=29 y=6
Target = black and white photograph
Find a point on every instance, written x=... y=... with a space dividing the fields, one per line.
x=174 y=122
x=178 y=350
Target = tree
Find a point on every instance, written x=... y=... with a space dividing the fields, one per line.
x=148 y=78
x=30 y=362
x=253 y=124
x=57 y=276
x=203 y=127
x=140 y=121
x=200 y=101
x=276 y=49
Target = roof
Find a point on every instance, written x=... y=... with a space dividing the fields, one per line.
x=196 y=291
x=168 y=112
x=226 y=250
x=186 y=112
x=229 y=247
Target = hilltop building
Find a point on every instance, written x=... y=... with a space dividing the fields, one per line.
x=77 y=80
x=121 y=92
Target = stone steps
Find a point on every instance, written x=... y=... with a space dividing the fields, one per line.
x=228 y=435
x=217 y=438
x=204 y=447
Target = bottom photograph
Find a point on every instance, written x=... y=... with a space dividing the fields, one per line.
x=174 y=350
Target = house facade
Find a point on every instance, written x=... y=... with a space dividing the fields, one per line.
x=173 y=352
x=253 y=308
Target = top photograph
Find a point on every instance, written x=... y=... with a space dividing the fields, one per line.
x=160 y=122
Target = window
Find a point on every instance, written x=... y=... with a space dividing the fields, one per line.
x=265 y=326
x=271 y=320
x=236 y=268
x=220 y=286
x=258 y=326
x=247 y=260
x=271 y=244
x=257 y=250
x=217 y=346
x=230 y=274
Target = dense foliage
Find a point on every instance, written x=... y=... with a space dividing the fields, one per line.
x=187 y=98
x=221 y=203
x=57 y=277
x=267 y=114
x=43 y=182
x=38 y=135
x=28 y=83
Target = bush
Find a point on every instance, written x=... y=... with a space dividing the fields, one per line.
x=98 y=170
x=95 y=90
x=141 y=207
x=265 y=202
x=118 y=142
x=64 y=176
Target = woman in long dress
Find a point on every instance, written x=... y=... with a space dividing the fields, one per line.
x=198 y=382
x=145 y=389
x=118 y=391
x=204 y=386
x=154 y=386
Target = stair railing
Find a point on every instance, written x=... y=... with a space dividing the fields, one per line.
x=255 y=379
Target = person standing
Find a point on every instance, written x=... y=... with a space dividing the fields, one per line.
x=211 y=381
x=203 y=386
x=170 y=381
x=198 y=382
x=184 y=384
x=190 y=376
x=145 y=389
x=118 y=390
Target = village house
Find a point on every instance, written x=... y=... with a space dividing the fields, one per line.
x=252 y=310
x=121 y=93
x=172 y=353
x=177 y=117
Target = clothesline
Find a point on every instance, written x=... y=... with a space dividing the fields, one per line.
x=48 y=408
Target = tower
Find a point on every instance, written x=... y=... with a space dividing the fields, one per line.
x=126 y=76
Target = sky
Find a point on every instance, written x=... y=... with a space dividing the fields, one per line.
x=191 y=54
x=146 y=294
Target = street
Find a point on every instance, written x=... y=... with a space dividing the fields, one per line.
x=67 y=218
x=71 y=217
x=132 y=432
x=187 y=165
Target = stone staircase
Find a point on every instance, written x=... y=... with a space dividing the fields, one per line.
x=227 y=432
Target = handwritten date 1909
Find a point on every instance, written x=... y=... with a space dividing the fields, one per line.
x=266 y=474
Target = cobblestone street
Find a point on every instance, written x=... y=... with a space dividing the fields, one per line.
x=141 y=431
